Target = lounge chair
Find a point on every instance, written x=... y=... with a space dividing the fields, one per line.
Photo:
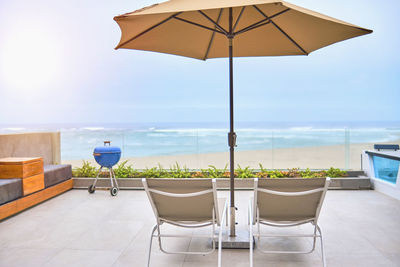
x=190 y=203
x=285 y=203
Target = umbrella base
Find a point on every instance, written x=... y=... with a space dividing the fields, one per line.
x=240 y=241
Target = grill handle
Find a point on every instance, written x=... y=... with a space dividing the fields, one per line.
x=96 y=154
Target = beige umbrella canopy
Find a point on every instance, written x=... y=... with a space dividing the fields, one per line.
x=204 y=29
x=198 y=28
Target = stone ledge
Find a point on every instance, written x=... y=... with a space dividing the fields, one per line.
x=346 y=183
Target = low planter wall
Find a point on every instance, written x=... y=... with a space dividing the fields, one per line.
x=347 y=183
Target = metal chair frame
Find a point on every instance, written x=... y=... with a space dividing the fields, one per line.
x=215 y=221
x=256 y=220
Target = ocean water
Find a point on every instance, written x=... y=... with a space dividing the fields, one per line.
x=138 y=140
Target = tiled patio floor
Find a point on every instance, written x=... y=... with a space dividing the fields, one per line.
x=361 y=228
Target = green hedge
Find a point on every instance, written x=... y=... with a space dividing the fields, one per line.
x=123 y=170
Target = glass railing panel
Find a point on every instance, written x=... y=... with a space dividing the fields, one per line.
x=254 y=147
x=308 y=147
x=297 y=147
x=78 y=144
x=199 y=148
x=212 y=148
x=386 y=169
x=361 y=139
x=148 y=148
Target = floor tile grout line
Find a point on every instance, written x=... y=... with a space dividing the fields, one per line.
x=52 y=257
x=133 y=239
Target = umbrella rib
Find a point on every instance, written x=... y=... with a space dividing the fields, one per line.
x=260 y=23
x=282 y=31
x=212 y=36
x=253 y=26
x=147 y=30
x=213 y=22
x=199 y=25
x=237 y=21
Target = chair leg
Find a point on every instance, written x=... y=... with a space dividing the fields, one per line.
x=220 y=246
x=248 y=216
x=251 y=244
x=250 y=221
x=226 y=217
x=314 y=238
x=322 y=247
x=151 y=241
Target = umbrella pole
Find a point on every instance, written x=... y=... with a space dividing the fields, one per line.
x=232 y=134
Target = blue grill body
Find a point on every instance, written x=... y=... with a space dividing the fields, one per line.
x=107 y=156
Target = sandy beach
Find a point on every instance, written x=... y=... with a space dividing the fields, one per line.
x=320 y=157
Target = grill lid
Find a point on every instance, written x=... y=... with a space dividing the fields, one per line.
x=107 y=149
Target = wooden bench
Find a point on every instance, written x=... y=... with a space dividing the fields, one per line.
x=36 y=183
x=29 y=170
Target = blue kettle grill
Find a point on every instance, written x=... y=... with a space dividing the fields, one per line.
x=107 y=156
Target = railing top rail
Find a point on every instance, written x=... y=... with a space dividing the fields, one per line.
x=384 y=155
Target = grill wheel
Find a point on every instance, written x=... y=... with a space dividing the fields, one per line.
x=91 y=189
x=114 y=191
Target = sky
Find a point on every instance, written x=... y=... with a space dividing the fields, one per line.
x=58 y=65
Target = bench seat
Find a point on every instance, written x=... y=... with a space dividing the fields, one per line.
x=55 y=174
x=10 y=189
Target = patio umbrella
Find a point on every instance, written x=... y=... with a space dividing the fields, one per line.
x=204 y=29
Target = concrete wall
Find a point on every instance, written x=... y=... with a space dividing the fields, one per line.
x=45 y=145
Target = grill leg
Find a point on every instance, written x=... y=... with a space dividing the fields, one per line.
x=97 y=176
x=115 y=178
x=111 y=177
